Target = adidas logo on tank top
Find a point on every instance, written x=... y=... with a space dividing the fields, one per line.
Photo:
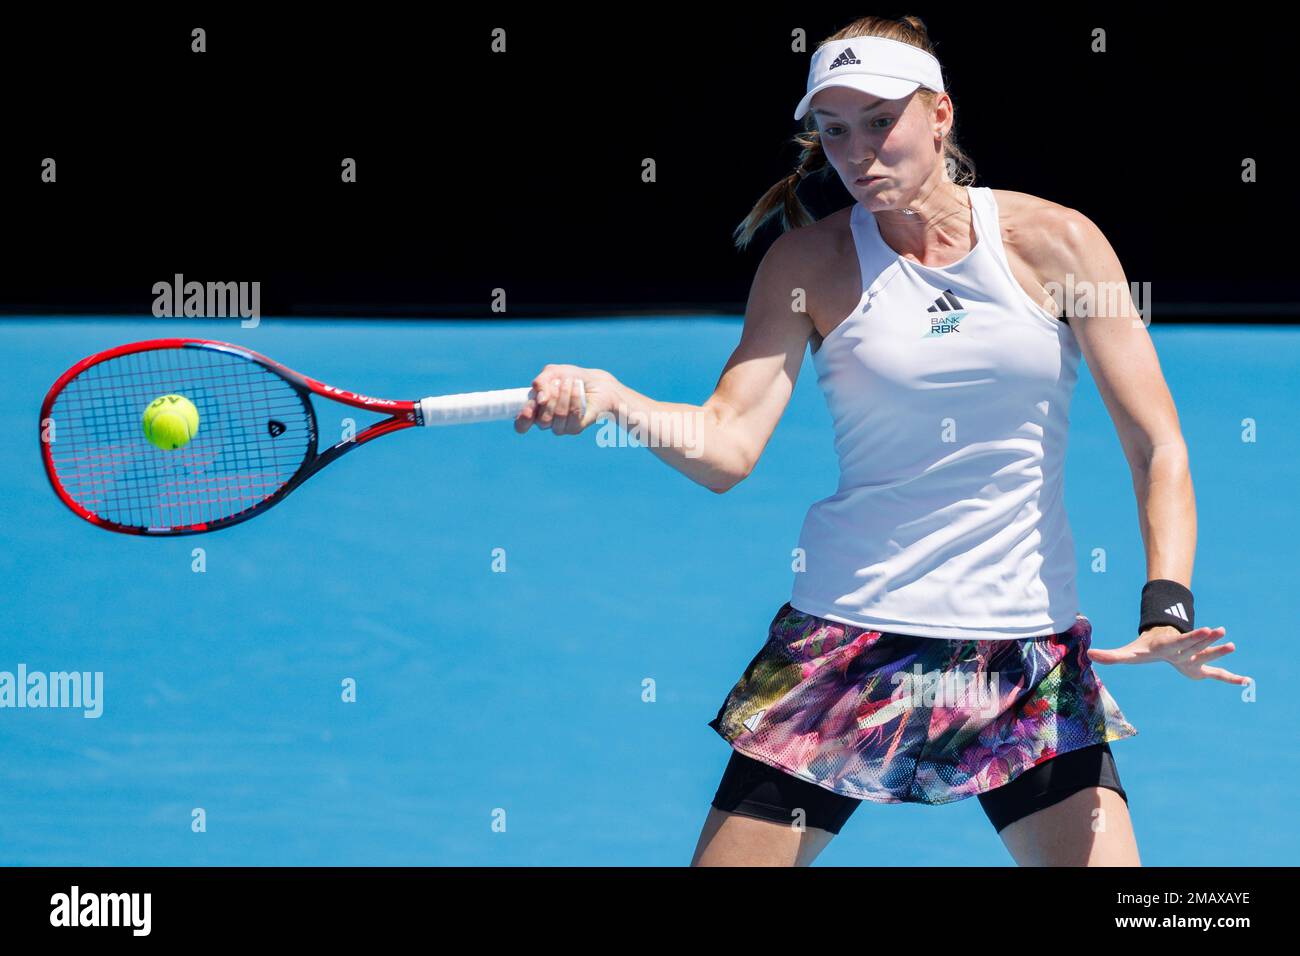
x=948 y=313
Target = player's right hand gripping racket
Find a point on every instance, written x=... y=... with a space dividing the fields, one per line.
x=255 y=440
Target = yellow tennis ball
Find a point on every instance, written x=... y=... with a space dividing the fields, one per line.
x=170 y=422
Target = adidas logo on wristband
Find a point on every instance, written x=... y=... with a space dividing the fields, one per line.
x=1166 y=602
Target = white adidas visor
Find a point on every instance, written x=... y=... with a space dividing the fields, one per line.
x=889 y=69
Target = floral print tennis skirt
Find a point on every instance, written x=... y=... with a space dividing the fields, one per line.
x=894 y=718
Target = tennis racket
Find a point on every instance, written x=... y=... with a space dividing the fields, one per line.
x=256 y=441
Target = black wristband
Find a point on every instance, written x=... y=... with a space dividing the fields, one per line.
x=1166 y=602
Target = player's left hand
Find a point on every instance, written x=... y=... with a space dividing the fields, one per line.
x=1189 y=653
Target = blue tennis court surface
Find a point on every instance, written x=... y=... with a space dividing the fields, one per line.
x=486 y=698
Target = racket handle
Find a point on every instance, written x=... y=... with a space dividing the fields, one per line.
x=468 y=407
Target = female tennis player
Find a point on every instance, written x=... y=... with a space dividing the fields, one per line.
x=931 y=649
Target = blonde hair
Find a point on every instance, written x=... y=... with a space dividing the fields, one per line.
x=782 y=197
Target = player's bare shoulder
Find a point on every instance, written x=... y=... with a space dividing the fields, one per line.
x=1038 y=231
x=804 y=273
x=824 y=262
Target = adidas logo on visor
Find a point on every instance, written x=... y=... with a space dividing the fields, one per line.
x=844 y=59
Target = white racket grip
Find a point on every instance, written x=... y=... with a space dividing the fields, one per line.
x=469 y=407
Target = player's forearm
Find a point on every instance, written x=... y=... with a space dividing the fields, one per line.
x=694 y=439
x=1167 y=513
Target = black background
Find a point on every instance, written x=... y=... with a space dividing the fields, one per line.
x=522 y=171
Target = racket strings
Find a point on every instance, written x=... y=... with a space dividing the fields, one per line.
x=254 y=433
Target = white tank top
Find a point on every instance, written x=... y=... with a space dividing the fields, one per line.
x=949 y=389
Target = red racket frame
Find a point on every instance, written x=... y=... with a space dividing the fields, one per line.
x=404 y=415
